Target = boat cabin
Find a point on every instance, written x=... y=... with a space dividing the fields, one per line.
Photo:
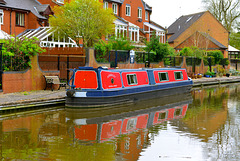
x=106 y=79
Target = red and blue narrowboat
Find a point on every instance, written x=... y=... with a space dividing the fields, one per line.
x=99 y=87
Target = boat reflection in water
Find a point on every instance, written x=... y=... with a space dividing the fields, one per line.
x=101 y=125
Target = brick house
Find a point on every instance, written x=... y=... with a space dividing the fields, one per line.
x=133 y=20
x=202 y=30
x=17 y=16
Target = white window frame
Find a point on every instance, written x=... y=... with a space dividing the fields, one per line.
x=159 y=75
x=146 y=15
x=114 y=7
x=1 y=18
x=139 y=12
x=105 y=5
x=128 y=10
x=60 y=1
x=181 y=75
x=132 y=77
x=133 y=34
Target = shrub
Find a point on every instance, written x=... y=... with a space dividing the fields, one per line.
x=17 y=53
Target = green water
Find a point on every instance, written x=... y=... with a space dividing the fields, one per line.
x=203 y=125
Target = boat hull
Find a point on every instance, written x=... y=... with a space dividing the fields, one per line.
x=111 y=98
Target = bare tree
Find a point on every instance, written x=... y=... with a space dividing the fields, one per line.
x=226 y=11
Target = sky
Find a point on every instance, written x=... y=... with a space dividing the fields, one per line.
x=165 y=12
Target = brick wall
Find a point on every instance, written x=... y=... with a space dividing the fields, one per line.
x=31 y=79
x=134 y=12
x=9 y=22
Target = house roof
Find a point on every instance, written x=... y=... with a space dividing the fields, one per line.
x=213 y=40
x=117 y=1
x=2 y=2
x=182 y=24
x=4 y=35
x=231 y=48
x=156 y=24
x=28 y=5
x=146 y=6
x=42 y=8
x=153 y=26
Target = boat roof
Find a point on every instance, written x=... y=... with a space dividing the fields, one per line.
x=126 y=70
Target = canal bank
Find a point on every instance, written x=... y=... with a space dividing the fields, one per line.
x=33 y=99
x=200 y=82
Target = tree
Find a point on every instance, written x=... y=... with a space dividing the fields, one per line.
x=84 y=20
x=235 y=39
x=160 y=50
x=226 y=11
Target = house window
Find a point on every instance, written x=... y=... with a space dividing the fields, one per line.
x=128 y=10
x=60 y=1
x=1 y=17
x=114 y=7
x=132 y=79
x=19 y=19
x=105 y=5
x=139 y=12
x=178 y=75
x=163 y=77
x=146 y=15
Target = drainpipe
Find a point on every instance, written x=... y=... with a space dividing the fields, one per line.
x=11 y=22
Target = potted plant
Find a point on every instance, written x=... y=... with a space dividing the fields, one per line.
x=208 y=74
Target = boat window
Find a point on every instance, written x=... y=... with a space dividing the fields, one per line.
x=132 y=79
x=163 y=76
x=162 y=116
x=178 y=75
x=178 y=112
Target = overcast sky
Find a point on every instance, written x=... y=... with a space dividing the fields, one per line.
x=165 y=12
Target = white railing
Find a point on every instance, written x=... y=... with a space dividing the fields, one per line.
x=60 y=1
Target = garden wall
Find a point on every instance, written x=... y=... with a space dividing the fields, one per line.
x=91 y=62
x=30 y=79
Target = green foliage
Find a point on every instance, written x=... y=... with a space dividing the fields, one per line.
x=159 y=50
x=218 y=56
x=84 y=20
x=193 y=52
x=120 y=44
x=17 y=53
x=102 y=48
x=235 y=39
x=220 y=70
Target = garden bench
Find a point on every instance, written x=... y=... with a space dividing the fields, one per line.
x=51 y=80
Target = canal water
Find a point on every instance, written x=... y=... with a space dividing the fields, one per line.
x=201 y=125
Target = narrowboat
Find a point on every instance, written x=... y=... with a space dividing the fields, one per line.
x=101 y=87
